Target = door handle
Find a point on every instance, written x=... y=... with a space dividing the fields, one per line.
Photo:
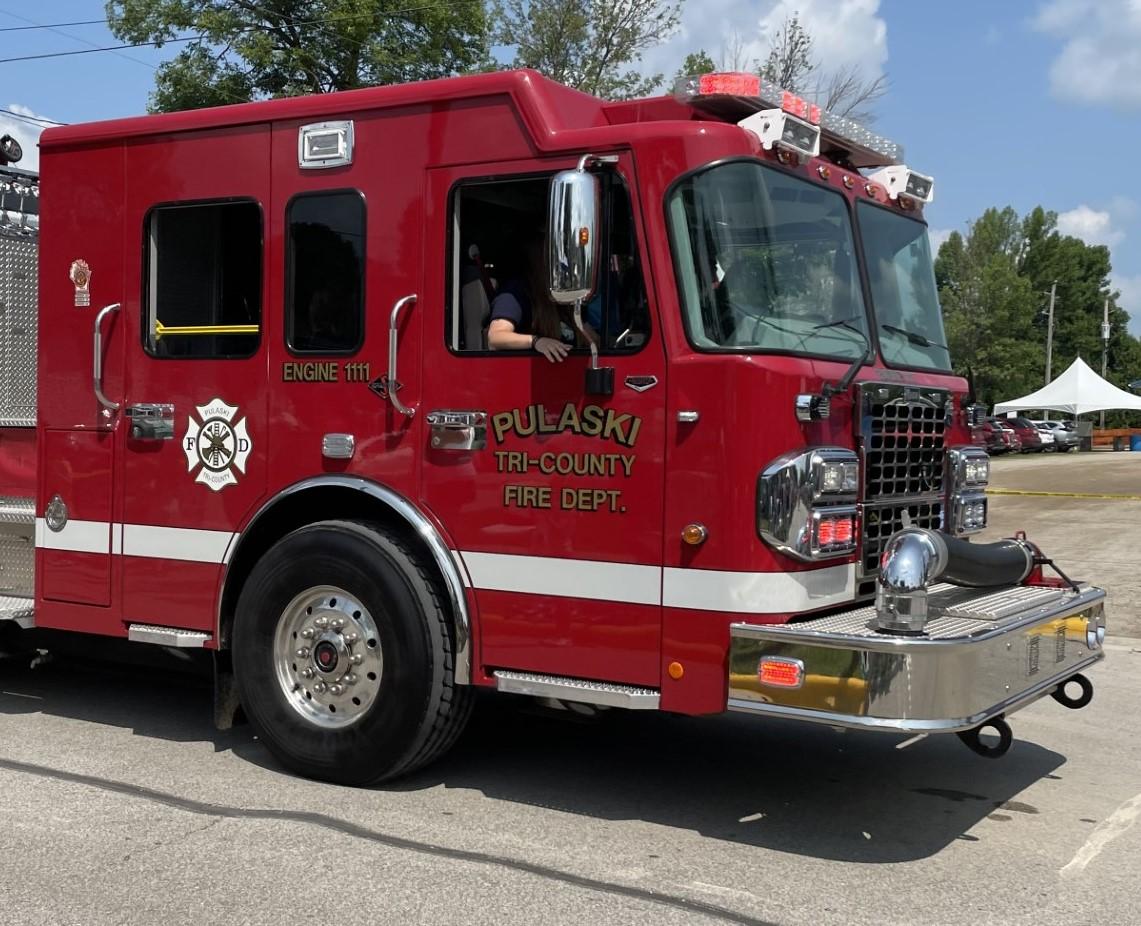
x=97 y=364
x=150 y=421
x=458 y=430
x=392 y=383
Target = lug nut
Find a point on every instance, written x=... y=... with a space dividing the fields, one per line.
x=357 y=659
x=349 y=679
x=336 y=689
x=351 y=638
x=321 y=623
x=336 y=623
x=303 y=653
x=306 y=672
x=307 y=633
x=319 y=687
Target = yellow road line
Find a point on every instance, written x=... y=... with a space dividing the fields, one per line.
x=1129 y=498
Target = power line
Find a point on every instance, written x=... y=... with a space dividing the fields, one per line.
x=34 y=120
x=82 y=22
x=75 y=38
x=92 y=51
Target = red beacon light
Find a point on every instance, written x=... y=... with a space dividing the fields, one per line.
x=793 y=124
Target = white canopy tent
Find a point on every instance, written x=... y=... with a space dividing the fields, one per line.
x=1079 y=390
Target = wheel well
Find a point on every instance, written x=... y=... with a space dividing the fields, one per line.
x=307 y=506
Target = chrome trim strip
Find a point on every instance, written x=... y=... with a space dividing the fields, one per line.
x=578 y=690
x=441 y=553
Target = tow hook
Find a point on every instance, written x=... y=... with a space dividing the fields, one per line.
x=975 y=743
x=1083 y=698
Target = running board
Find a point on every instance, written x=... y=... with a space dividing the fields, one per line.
x=167 y=636
x=577 y=689
x=19 y=610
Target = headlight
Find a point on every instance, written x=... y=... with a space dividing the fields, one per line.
x=806 y=503
x=969 y=473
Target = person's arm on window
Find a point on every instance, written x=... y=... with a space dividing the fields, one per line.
x=502 y=334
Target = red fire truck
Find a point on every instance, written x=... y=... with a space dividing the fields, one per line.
x=262 y=418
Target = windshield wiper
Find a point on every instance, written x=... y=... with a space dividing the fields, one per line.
x=850 y=374
x=914 y=337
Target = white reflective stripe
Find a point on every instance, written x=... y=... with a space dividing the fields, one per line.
x=565 y=578
x=758 y=592
x=116 y=538
x=76 y=536
x=185 y=543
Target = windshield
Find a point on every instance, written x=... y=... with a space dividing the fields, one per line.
x=765 y=262
x=904 y=297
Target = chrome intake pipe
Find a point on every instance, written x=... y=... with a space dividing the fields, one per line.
x=916 y=558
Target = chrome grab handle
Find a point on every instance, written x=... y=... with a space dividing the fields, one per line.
x=393 y=385
x=458 y=430
x=97 y=365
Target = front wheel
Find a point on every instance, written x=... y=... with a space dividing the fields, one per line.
x=344 y=656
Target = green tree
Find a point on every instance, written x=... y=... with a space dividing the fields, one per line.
x=792 y=65
x=697 y=62
x=993 y=286
x=593 y=46
x=250 y=49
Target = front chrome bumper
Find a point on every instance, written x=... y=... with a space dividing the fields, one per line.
x=983 y=655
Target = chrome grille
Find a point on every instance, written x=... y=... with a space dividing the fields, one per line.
x=902 y=433
x=881 y=521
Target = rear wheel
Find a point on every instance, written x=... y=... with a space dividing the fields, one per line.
x=344 y=656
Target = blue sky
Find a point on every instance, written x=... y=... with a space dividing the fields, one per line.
x=1005 y=103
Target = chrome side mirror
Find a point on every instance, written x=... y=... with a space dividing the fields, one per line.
x=572 y=235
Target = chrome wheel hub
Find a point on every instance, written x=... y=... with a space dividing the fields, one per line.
x=327 y=656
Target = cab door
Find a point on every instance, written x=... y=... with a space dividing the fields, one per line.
x=193 y=438
x=556 y=507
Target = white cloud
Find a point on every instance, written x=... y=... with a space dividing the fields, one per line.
x=1130 y=300
x=844 y=32
x=1093 y=226
x=1099 y=62
x=25 y=132
x=938 y=236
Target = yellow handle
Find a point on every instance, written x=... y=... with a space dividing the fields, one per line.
x=162 y=330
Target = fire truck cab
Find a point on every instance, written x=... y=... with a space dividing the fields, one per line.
x=269 y=419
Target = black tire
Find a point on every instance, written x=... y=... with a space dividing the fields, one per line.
x=418 y=711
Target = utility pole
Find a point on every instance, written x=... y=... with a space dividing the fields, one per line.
x=1104 y=346
x=1050 y=332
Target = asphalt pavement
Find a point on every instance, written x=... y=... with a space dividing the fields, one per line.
x=122 y=804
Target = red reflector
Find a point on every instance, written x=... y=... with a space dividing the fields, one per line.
x=826 y=533
x=844 y=530
x=733 y=84
x=778 y=672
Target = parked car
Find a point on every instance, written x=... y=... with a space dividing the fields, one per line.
x=1030 y=436
x=1009 y=437
x=1065 y=437
x=991 y=436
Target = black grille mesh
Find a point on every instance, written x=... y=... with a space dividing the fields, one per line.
x=903 y=449
x=880 y=523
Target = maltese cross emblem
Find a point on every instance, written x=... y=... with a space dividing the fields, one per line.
x=219 y=444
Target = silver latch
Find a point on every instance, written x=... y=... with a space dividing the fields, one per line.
x=458 y=430
x=151 y=421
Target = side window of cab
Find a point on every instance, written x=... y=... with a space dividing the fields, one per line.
x=497 y=270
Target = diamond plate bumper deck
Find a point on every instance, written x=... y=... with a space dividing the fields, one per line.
x=983 y=654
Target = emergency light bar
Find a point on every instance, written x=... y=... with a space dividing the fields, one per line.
x=734 y=96
x=900 y=180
